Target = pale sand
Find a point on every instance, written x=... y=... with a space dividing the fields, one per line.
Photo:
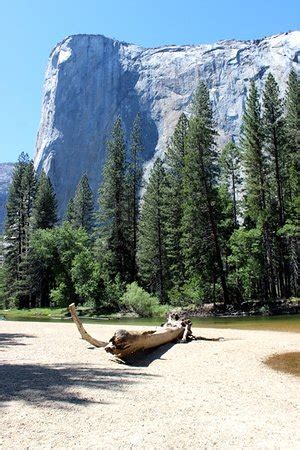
x=57 y=392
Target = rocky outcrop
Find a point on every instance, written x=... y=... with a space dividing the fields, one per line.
x=91 y=79
x=6 y=170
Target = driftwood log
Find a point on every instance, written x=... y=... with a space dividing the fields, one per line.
x=125 y=343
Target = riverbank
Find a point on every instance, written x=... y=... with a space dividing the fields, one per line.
x=58 y=392
x=286 y=307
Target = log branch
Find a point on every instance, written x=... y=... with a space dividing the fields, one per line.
x=84 y=334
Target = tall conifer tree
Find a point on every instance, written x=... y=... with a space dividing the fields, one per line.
x=45 y=204
x=134 y=186
x=292 y=132
x=274 y=148
x=256 y=187
x=175 y=159
x=230 y=165
x=292 y=135
x=83 y=206
x=200 y=234
x=112 y=217
x=152 y=258
x=17 y=232
x=43 y=217
x=69 y=215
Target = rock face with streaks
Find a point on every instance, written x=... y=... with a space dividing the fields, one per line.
x=91 y=79
x=6 y=170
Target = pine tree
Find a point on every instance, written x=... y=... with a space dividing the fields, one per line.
x=256 y=188
x=152 y=258
x=292 y=133
x=274 y=148
x=43 y=217
x=175 y=159
x=70 y=213
x=17 y=233
x=112 y=216
x=200 y=234
x=230 y=165
x=274 y=142
x=134 y=185
x=82 y=207
x=229 y=204
x=44 y=211
x=253 y=158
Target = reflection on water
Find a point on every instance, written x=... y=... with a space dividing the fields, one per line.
x=285 y=362
x=273 y=323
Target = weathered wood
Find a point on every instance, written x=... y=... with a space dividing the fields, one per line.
x=84 y=334
x=125 y=343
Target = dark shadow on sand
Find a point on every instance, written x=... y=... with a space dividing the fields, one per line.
x=146 y=357
x=58 y=385
x=8 y=339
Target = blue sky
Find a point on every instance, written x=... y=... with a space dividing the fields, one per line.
x=29 y=29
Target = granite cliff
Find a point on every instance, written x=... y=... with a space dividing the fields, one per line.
x=90 y=79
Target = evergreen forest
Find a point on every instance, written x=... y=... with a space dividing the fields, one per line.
x=208 y=226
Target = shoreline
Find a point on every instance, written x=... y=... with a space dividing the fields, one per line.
x=6 y=315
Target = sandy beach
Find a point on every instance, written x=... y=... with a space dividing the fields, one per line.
x=58 y=392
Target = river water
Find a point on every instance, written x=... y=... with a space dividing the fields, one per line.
x=289 y=323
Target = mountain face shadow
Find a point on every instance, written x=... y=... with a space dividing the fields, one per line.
x=8 y=339
x=57 y=385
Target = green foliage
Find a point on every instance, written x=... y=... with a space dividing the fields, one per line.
x=44 y=210
x=3 y=300
x=112 y=217
x=34 y=313
x=253 y=158
x=175 y=160
x=60 y=295
x=194 y=240
x=69 y=215
x=292 y=134
x=17 y=233
x=86 y=277
x=114 y=289
x=230 y=166
x=56 y=250
x=264 y=310
x=192 y=292
x=81 y=207
x=137 y=300
x=134 y=179
x=200 y=237
x=246 y=263
x=152 y=256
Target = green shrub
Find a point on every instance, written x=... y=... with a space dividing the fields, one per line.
x=191 y=293
x=59 y=296
x=137 y=300
x=264 y=310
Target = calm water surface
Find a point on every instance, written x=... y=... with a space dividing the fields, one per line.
x=276 y=323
